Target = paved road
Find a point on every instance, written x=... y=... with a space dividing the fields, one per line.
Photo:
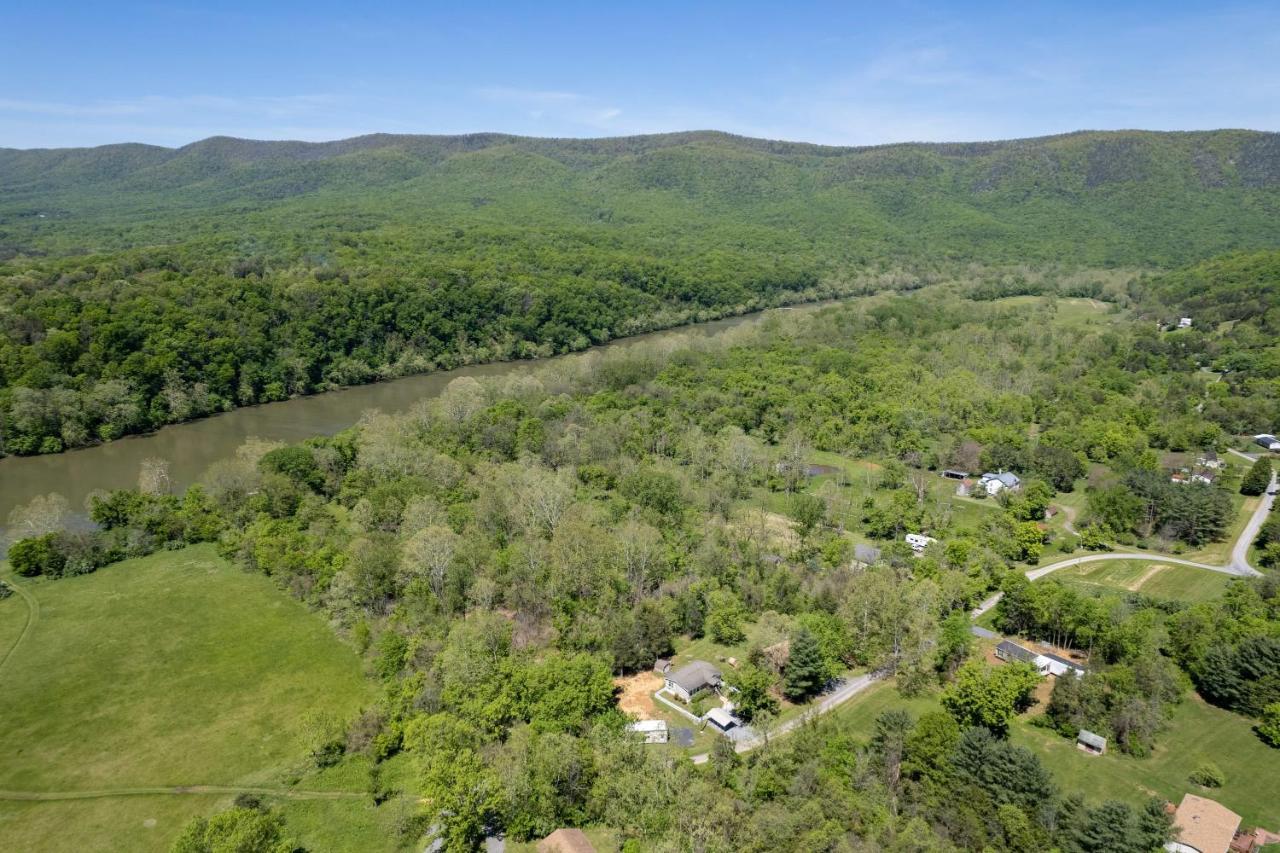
x=1240 y=553
x=1035 y=574
x=286 y=793
x=830 y=701
x=986 y=605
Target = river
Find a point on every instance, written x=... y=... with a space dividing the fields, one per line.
x=192 y=447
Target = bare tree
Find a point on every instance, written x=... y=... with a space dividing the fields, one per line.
x=462 y=398
x=153 y=478
x=543 y=498
x=45 y=514
x=427 y=555
x=640 y=547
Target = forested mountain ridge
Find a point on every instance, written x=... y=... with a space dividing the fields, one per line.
x=141 y=285
x=1108 y=197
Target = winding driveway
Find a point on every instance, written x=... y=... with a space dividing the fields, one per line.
x=1036 y=574
x=844 y=691
x=1240 y=553
x=1238 y=566
x=33 y=616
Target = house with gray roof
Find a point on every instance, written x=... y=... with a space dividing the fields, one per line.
x=1058 y=665
x=1009 y=650
x=689 y=679
x=995 y=483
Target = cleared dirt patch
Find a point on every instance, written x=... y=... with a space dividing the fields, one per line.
x=1040 y=698
x=1151 y=572
x=636 y=694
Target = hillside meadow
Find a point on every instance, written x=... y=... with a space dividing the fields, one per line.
x=1195 y=732
x=170 y=670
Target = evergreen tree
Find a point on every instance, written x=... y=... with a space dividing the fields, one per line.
x=1257 y=479
x=806 y=670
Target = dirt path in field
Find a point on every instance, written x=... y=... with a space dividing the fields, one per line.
x=286 y=793
x=33 y=616
x=1151 y=572
x=1068 y=523
x=636 y=696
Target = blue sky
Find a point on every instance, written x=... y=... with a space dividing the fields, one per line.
x=840 y=73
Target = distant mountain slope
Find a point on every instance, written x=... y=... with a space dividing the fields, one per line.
x=142 y=285
x=1091 y=197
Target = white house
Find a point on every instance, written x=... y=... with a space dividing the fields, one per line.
x=1009 y=650
x=1209 y=459
x=1184 y=323
x=1057 y=666
x=1044 y=662
x=653 y=731
x=688 y=680
x=918 y=541
x=1204 y=475
x=998 y=482
x=1270 y=442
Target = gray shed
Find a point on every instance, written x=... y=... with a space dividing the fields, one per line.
x=1091 y=743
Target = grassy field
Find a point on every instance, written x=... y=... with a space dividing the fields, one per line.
x=175 y=669
x=1150 y=577
x=13 y=618
x=1196 y=732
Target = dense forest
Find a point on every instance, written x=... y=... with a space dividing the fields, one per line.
x=141 y=286
x=500 y=553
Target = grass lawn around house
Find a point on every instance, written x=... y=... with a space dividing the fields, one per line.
x=1196 y=732
x=1149 y=577
x=854 y=480
x=860 y=712
x=1219 y=553
x=717 y=654
x=174 y=669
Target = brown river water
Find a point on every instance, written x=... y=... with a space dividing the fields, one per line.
x=192 y=447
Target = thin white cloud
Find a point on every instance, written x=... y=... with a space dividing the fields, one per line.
x=549 y=106
x=529 y=96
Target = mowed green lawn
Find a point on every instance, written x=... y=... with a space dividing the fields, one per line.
x=1149 y=577
x=174 y=669
x=13 y=618
x=1196 y=732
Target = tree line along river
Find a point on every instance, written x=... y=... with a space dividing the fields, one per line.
x=190 y=448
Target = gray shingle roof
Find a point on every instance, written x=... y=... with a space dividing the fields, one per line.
x=1010 y=649
x=1061 y=659
x=1088 y=738
x=694 y=676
